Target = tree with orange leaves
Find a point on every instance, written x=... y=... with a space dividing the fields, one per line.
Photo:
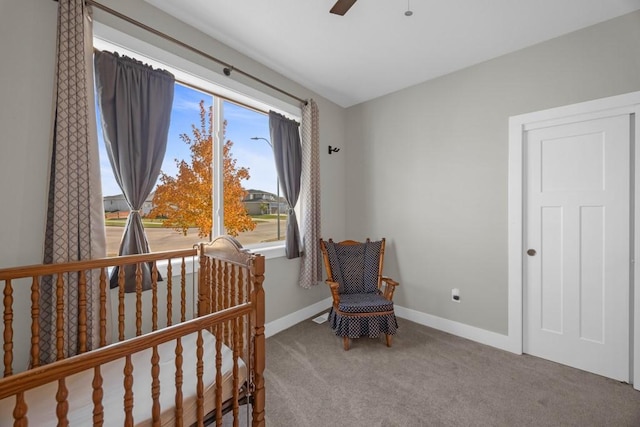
x=186 y=199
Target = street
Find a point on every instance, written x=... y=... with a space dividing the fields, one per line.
x=165 y=239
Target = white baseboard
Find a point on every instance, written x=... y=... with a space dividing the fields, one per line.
x=456 y=328
x=296 y=317
x=450 y=326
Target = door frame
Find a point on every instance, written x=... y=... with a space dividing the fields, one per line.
x=518 y=125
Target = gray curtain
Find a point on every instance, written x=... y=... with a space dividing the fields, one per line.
x=311 y=265
x=135 y=105
x=287 y=151
x=75 y=214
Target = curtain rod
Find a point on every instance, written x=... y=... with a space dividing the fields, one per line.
x=228 y=68
x=213 y=93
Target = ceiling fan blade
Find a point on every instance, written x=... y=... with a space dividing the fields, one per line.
x=342 y=6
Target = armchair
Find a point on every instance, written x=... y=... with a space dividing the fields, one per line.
x=362 y=297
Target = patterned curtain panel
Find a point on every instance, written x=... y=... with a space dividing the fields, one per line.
x=135 y=106
x=311 y=268
x=75 y=214
x=287 y=152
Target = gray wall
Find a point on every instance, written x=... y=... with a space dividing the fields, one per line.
x=27 y=46
x=428 y=164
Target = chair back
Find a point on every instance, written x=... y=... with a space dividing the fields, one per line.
x=355 y=266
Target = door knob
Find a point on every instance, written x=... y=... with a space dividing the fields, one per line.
x=531 y=252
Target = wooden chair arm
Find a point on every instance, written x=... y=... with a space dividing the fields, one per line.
x=334 y=292
x=389 y=287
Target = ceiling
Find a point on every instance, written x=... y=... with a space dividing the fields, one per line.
x=375 y=49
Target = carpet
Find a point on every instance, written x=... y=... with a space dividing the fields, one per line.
x=430 y=378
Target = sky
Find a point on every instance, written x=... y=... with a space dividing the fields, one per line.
x=242 y=125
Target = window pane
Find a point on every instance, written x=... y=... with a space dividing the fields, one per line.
x=248 y=132
x=161 y=235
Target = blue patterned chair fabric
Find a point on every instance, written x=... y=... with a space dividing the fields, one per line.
x=362 y=310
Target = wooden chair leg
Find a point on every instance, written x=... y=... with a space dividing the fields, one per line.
x=345 y=343
x=389 y=337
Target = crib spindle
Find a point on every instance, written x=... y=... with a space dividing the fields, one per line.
x=210 y=278
x=236 y=384
x=8 y=328
x=20 y=411
x=183 y=291
x=241 y=285
x=225 y=289
x=218 y=375
x=232 y=297
x=62 y=408
x=169 y=294
x=138 y=299
x=200 y=383
x=35 y=322
x=82 y=312
x=205 y=298
x=179 y=383
x=60 y=316
x=217 y=284
x=203 y=288
x=155 y=386
x=235 y=272
x=154 y=297
x=128 y=392
x=121 y=303
x=97 y=395
x=103 y=307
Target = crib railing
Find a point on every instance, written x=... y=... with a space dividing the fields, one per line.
x=230 y=305
x=18 y=384
x=82 y=273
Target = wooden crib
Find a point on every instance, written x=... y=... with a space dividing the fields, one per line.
x=174 y=369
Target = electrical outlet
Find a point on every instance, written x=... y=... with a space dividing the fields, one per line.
x=455 y=295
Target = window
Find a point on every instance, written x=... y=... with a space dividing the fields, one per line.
x=249 y=193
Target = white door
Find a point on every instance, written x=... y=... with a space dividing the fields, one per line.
x=577 y=207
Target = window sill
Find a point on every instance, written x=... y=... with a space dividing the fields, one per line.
x=269 y=250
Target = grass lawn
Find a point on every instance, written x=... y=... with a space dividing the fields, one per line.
x=266 y=216
x=263 y=218
x=147 y=223
x=159 y=223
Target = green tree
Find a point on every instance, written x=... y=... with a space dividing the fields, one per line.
x=264 y=208
x=186 y=199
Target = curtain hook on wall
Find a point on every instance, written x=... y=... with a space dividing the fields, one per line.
x=408 y=12
x=333 y=150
